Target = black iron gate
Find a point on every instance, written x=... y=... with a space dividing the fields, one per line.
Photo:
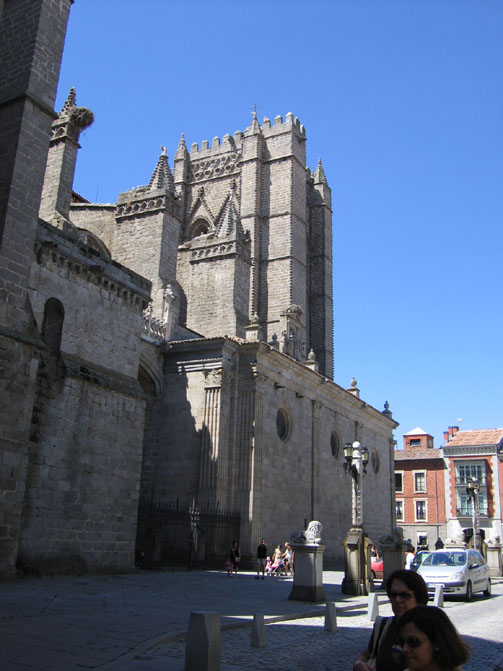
x=171 y=535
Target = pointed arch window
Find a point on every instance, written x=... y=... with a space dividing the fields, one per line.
x=199 y=227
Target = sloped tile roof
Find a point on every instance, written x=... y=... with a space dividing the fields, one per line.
x=476 y=437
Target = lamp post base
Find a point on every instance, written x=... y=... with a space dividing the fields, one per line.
x=354 y=582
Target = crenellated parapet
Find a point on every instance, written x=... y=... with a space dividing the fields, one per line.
x=269 y=128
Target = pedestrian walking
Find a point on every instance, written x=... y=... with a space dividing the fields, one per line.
x=429 y=641
x=261 y=559
x=288 y=557
x=228 y=566
x=235 y=555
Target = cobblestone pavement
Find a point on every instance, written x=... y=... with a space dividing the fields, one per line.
x=135 y=622
x=303 y=645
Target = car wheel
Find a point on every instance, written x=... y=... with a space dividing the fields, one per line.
x=469 y=591
x=488 y=589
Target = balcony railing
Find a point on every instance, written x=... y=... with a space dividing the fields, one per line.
x=466 y=480
x=467 y=511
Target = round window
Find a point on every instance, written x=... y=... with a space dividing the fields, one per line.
x=283 y=424
x=334 y=444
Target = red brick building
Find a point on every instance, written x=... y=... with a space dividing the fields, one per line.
x=475 y=455
x=420 y=475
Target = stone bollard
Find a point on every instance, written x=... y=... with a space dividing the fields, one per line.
x=330 y=617
x=257 y=638
x=373 y=609
x=438 y=599
x=203 y=646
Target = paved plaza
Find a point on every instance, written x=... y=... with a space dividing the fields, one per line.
x=136 y=622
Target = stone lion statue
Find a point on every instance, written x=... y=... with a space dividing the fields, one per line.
x=313 y=532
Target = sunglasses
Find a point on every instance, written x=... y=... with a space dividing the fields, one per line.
x=403 y=595
x=410 y=642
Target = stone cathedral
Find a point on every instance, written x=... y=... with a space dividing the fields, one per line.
x=176 y=345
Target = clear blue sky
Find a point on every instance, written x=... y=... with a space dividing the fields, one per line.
x=402 y=100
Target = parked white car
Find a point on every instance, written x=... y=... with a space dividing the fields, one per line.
x=460 y=572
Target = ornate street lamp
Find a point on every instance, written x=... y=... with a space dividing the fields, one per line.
x=356 y=459
x=356 y=575
x=472 y=490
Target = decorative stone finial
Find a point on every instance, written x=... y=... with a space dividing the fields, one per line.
x=70 y=102
x=319 y=175
x=253 y=330
x=353 y=389
x=387 y=411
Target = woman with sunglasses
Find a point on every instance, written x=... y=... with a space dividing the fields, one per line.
x=430 y=642
x=406 y=590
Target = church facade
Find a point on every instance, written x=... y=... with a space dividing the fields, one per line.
x=174 y=345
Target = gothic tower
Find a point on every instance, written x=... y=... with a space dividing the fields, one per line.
x=287 y=216
x=147 y=232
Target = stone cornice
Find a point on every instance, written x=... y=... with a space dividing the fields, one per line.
x=147 y=204
x=219 y=248
x=468 y=450
x=79 y=263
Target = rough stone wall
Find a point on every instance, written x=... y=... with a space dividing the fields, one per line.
x=216 y=283
x=79 y=513
x=96 y=218
x=32 y=34
x=147 y=243
x=83 y=480
x=219 y=443
x=303 y=471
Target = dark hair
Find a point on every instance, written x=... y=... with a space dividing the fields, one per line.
x=413 y=581
x=450 y=649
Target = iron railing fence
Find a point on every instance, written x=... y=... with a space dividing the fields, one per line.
x=180 y=536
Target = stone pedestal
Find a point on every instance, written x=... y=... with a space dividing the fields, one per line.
x=393 y=550
x=493 y=549
x=308 y=574
x=355 y=569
